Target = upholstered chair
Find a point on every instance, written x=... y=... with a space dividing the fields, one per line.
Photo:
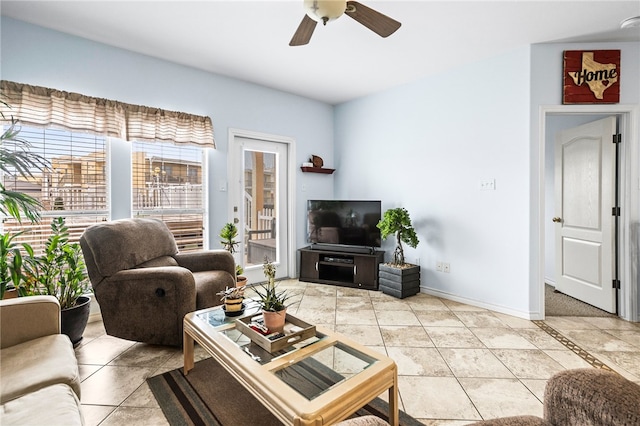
x=143 y=285
x=583 y=397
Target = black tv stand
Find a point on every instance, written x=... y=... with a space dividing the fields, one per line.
x=344 y=266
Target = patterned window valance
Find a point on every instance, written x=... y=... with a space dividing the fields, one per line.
x=41 y=106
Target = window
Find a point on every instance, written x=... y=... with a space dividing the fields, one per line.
x=167 y=184
x=72 y=185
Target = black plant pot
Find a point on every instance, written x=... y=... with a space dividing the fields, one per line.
x=74 y=320
x=399 y=282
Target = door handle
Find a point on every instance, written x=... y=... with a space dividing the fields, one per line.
x=557 y=219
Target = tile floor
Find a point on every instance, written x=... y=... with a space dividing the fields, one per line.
x=457 y=363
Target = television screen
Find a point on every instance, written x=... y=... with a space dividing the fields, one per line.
x=344 y=222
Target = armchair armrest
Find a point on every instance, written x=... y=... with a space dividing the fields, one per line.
x=207 y=260
x=27 y=318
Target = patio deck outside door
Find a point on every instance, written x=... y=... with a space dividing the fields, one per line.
x=258 y=194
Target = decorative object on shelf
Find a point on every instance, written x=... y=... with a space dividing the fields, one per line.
x=233 y=298
x=60 y=271
x=315 y=165
x=399 y=278
x=228 y=235
x=273 y=301
x=317 y=161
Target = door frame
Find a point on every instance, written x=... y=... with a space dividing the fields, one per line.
x=291 y=185
x=628 y=196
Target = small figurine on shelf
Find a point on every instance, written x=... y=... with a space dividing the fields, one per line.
x=317 y=161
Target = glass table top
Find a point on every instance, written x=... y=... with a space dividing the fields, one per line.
x=311 y=375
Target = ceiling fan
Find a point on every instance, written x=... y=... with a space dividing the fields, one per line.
x=329 y=10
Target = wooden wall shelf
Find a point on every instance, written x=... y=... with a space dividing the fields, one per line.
x=317 y=170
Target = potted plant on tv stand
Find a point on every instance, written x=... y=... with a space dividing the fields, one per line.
x=398 y=278
x=228 y=235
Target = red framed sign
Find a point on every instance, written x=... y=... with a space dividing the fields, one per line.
x=591 y=77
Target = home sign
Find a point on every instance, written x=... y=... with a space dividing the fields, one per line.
x=591 y=77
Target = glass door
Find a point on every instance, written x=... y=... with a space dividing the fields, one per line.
x=259 y=198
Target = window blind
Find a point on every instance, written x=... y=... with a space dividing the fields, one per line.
x=167 y=184
x=72 y=185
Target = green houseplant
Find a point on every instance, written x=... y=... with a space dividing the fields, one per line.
x=399 y=278
x=60 y=271
x=232 y=298
x=16 y=158
x=228 y=235
x=274 y=302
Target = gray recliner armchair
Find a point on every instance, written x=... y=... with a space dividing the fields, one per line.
x=143 y=285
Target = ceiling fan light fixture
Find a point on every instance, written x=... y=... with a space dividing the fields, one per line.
x=324 y=10
x=632 y=22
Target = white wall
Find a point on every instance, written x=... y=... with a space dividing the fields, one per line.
x=38 y=56
x=426 y=146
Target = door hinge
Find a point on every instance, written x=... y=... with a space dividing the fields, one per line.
x=616 y=284
x=615 y=211
x=617 y=138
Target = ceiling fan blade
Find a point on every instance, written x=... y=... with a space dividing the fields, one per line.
x=304 y=32
x=374 y=20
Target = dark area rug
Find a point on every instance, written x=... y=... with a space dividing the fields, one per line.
x=560 y=305
x=209 y=395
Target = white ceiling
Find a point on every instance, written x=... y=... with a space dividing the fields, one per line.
x=248 y=40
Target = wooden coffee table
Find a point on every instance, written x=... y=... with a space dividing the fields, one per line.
x=320 y=381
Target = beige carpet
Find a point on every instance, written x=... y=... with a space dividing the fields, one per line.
x=561 y=305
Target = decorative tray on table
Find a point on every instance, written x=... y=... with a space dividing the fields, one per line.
x=295 y=330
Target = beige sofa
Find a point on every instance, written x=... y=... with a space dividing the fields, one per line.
x=39 y=379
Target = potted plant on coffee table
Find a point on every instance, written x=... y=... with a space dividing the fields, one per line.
x=232 y=298
x=228 y=235
x=60 y=271
x=398 y=278
x=274 y=302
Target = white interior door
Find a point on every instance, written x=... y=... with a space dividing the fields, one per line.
x=258 y=194
x=584 y=198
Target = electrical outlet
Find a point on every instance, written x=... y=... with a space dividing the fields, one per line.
x=439 y=266
x=488 y=185
x=446 y=268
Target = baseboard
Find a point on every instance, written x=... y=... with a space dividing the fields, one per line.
x=497 y=308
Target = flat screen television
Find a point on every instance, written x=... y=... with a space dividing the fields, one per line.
x=344 y=222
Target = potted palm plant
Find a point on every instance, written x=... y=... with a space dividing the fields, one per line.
x=399 y=278
x=274 y=302
x=228 y=235
x=16 y=158
x=60 y=271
